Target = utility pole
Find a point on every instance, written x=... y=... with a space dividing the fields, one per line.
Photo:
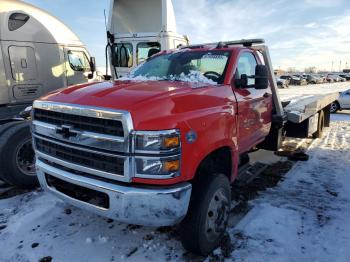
x=332 y=66
x=340 y=66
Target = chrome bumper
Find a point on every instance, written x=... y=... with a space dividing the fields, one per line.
x=134 y=205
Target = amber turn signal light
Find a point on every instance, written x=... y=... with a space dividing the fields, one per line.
x=171 y=142
x=171 y=166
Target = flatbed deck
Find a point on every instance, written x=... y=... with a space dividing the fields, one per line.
x=306 y=101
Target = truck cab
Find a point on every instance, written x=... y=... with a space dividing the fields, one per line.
x=140 y=30
x=38 y=54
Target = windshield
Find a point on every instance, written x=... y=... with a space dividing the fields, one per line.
x=188 y=66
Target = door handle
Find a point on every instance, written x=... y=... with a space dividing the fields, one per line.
x=266 y=95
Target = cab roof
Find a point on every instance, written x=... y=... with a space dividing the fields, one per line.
x=20 y=21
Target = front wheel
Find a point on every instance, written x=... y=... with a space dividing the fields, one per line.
x=207 y=217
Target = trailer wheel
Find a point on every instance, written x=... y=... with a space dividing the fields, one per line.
x=320 y=126
x=206 y=220
x=17 y=156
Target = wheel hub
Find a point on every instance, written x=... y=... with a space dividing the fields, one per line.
x=333 y=107
x=25 y=159
x=217 y=215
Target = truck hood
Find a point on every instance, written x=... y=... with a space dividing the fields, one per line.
x=145 y=100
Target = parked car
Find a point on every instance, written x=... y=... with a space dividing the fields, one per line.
x=314 y=79
x=299 y=80
x=342 y=103
x=294 y=80
x=282 y=83
x=323 y=78
x=346 y=76
x=333 y=78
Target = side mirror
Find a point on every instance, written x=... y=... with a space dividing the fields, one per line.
x=93 y=64
x=261 y=77
x=114 y=56
x=240 y=82
x=107 y=77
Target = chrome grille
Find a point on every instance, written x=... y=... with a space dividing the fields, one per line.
x=91 y=124
x=89 y=140
x=98 y=161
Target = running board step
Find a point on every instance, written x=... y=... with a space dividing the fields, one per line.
x=248 y=172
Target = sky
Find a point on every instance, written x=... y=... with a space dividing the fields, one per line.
x=300 y=33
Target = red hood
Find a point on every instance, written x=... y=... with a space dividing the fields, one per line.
x=144 y=100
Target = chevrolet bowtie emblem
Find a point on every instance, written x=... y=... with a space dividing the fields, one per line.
x=66 y=131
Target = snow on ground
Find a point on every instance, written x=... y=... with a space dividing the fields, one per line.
x=304 y=218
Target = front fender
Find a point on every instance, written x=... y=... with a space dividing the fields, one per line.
x=214 y=129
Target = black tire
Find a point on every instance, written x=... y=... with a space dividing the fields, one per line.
x=197 y=231
x=17 y=155
x=334 y=107
x=320 y=125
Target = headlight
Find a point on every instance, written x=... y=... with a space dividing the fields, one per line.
x=157 y=167
x=166 y=141
x=157 y=154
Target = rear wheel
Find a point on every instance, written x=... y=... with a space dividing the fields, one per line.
x=334 y=107
x=207 y=217
x=17 y=161
x=320 y=125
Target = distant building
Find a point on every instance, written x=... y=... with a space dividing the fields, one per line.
x=346 y=70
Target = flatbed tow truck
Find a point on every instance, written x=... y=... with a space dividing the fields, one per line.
x=163 y=145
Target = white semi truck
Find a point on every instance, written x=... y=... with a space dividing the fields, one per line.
x=38 y=54
x=138 y=29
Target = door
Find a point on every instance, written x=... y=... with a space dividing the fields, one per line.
x=23 y=63
x=254 y=106
x=77 y=65
x=24 y=73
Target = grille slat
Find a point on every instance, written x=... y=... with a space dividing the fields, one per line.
x=109 y=164
x=84 y=123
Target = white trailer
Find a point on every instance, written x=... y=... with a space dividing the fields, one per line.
x=137 y=30
x=38 y=54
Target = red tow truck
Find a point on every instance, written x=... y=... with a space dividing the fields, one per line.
x=162 y=146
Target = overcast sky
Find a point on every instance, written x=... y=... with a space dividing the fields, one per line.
x=300 y=33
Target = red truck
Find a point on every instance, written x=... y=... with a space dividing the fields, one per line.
x=162 y=146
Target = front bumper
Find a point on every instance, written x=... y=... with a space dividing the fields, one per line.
x=149 y=206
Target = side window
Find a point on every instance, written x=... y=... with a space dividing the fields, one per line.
x=146 y=50
x=78 y=61
x=123 y=55
x=246 y=65
x=17 y=20
x=23 y=63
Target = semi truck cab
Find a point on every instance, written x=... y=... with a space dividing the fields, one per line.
x=38 y=54
x=138 y=30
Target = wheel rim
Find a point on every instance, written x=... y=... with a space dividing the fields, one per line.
x=334 y=107
x=217 y=215
x=25 y=158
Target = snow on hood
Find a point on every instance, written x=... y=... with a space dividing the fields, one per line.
x=194 y=76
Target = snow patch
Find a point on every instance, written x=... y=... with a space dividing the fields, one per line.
x=193 y=77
